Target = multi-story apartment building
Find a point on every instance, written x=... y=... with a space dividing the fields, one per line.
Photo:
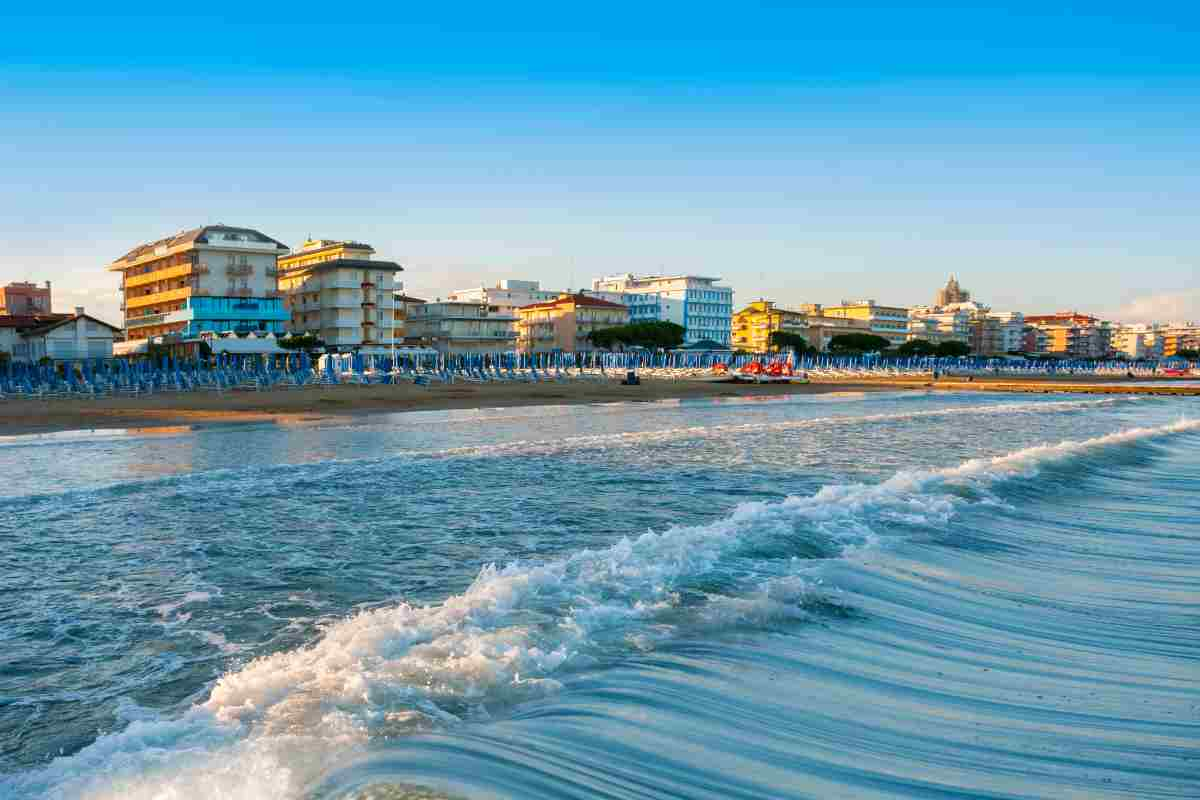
x=1073 y=335
x=507 y=295
x=566 y=322
x=706 y=309
x=336 y=291
x=1178 y=336
x=23 y=299
x=1138 y=341
x=754 y=324
x=949 y=323
x=986 y=337
x=820 y=329
x=461 y=327
x=1012 y=332
x=402 y=306
x=216 y=278
x=890 y=322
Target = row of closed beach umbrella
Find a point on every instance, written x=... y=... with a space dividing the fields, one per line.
x=227 y=372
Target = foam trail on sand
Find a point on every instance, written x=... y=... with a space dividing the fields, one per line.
x=636 y=438
x=272 y=727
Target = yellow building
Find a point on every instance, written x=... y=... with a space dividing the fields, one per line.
x=890 y=322
x=754 y=324
x=566 y=323
x=336 y=291
x=1181 y=337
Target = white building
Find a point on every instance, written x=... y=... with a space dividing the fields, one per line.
x=461 y=327
x=1138 y=341
x=950 y=324
x=72 y=338
x=1012 y=330
x=704 y=309
x=506 y=295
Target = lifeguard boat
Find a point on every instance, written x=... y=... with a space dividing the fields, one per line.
x=773 y=372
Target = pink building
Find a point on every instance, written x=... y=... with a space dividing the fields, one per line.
x=23 y=299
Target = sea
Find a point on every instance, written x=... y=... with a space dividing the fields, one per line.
x=880 y=595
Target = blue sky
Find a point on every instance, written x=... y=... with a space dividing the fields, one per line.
x=1049 y=158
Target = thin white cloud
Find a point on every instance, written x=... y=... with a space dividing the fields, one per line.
x=1162 y=307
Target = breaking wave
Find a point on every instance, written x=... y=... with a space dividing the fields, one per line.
x=274 y=726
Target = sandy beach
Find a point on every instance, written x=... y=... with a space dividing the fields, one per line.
x=20 y=417
x=316 y=403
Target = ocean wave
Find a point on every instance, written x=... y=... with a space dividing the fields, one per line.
x=273 y=726
x=658 y=435
x=325 y=469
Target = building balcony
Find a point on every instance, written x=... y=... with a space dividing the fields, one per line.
x=166 y=273
x=241 y=293
x=157 y=298
x=368 y=304
x=239 y=269
x=367 y=323
x=148 y=319
x=367 y=284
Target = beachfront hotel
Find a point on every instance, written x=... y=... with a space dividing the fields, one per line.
x=566 y=323
x=334 y=290
x=402 y=309
x=754 y=324
x=890 y=322
x=461 y=327
x=1072 y=334
x=699 y=304
x=216 y=278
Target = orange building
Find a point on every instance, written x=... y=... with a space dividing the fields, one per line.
x=566 y=323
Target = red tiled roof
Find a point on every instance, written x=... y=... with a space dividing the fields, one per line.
x=22 y=321
x=1065 y=316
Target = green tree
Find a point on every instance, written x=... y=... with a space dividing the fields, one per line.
x=782 y=340
x=300 y=341
x=857 y=343
x=917 y=347
x=639 y=334
x=953 y=349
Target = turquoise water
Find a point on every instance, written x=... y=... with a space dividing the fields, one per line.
x=850 y=596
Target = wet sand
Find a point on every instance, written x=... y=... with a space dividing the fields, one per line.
x=314 y=404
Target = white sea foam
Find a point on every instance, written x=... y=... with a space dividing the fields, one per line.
x=638 y=438
x=273 y=726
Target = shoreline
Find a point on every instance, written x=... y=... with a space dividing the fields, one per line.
x=347 y=402
x=342 y=403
